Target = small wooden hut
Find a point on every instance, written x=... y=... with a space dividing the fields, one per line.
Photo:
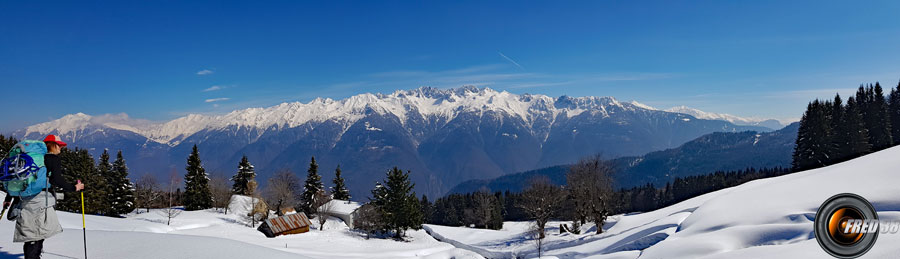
x=285 y=225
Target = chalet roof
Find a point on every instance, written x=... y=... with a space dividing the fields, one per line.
x=288 y=223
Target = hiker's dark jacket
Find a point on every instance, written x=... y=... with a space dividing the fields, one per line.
x=54 y=167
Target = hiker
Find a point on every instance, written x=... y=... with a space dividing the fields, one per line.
x=37 y=219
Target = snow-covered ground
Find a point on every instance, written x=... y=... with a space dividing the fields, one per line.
x=212 y=234
x=768 y=218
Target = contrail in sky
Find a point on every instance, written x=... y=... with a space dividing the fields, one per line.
x=510 y=60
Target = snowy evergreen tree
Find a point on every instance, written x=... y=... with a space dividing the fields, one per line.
x=813 y=140
x=839 y=142
x=197 y=195
x=831 y=133
x=121 y=195
x=803 y=147
x=244 y=175
x=855 y=131
x=311 y=187
x=397 y=203
x=880 y=130
x=872 y=107
x=79 y=165
x=103 y=166
x=339 y=191
x=6 y=143
x=104 y=169
x=426 y=207
x=894 y=113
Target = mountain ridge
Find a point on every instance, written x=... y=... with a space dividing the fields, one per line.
x=704 y=155
x=443 y=136
x=350 y=109
x=737 y=120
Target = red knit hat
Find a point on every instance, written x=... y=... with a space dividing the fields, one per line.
x=55 y=139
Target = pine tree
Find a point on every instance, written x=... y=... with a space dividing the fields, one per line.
x=103 y=166
x=397 y=203
x=427 y=208
x=312 y=186
x=894 y=113
x=857 y=135
x=244 y=175
x=879 y=125
x=839 y=136
x=104 y=169
x=339 y=191
x=79 y=165
x=121 y=195
x=828 y=149
x=6 y=143
x=813 y=140
x=802 y=148
x=497 y=213
x=862 y=103
x=197 y=195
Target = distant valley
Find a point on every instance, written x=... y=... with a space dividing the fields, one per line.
x=709 y=153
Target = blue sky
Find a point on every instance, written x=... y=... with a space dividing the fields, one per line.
x=163 y=59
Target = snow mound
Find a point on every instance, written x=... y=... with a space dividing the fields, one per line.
x=240 y=204
x=342 y=207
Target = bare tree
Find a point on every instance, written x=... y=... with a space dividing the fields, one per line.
x=171 y=211
x=482 y=212
x=257 y=209
x=146 y=192
x=540 y=201
x=537 y=234
x=282 y=190
x=367 y=219
x=589 y=183
x=260 y=211
x=322 y=203
x=221 y=192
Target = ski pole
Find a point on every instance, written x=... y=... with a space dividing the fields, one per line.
x=83 y=225
x=5 y=206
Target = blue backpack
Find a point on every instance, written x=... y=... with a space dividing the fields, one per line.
x=22 y=172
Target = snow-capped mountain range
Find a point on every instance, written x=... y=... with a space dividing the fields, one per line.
x=752 y=121
x=429 y=103
x=444 y=136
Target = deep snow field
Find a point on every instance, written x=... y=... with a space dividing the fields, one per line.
x=213 y=234
x=768 y=218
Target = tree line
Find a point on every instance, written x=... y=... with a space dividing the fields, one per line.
x=587 y=197
x=470 y=209
x=832 y=132
x=649 y=197
x=391 y=210
x=284 y=192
